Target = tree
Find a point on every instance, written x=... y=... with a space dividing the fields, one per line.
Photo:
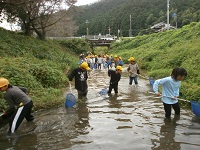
x=34 y=15
x=64 y=28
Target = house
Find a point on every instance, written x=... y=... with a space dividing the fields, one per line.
x=162 y=26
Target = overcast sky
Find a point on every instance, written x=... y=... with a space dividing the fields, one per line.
x=85 y=2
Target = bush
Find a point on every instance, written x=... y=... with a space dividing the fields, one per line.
x=40 y=66
x=48 y=76
x=76 y=45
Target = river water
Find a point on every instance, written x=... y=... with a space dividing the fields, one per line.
x=131 y=120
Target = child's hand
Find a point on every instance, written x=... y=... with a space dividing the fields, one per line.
x=175 y=97
x=3 y=113
x=158 y=94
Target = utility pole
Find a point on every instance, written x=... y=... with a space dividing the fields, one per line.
x=130 y=30
x=174 y=15
x=168 y=25
x=87 y=30
x=118 y=32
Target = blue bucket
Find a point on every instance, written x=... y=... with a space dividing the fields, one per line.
x=70 y=100
x=195 y=108
x=151 y=81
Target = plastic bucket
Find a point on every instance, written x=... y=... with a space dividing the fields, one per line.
x=195 y=108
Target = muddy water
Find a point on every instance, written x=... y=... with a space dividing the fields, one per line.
x=130 y=120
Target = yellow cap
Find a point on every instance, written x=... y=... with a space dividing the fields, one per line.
x=131 y=59
x=85 y=66
x=3 y=82
x=119 y=68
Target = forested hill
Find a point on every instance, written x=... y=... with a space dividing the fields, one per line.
x=144 y=13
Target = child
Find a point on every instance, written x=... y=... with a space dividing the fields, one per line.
x=115 y=76
x=116 y=61
x=121 y=63
x=16 y=97
x=81 y=75
x=133 y=70
x=170 y=88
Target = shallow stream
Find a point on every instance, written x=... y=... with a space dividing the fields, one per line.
x=131 y=120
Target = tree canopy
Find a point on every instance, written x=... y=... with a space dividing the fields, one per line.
x=144 y=13
x=33 y=15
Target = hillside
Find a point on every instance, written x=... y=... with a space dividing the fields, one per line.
x=159 y=53
x=144 y=13
x=41 y=66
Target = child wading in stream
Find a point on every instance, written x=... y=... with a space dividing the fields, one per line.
x=133 y=70
x=81 y=75
x=170 y=90
x=115 y=76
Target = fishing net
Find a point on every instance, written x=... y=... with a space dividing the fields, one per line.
x=103 y=93
x=195 y=108
x=70 y=100
x=151 y=81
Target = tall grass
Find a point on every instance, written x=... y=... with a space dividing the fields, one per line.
x=159 y=53
x=41 y=66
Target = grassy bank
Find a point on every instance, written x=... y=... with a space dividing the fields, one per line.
x=159 y=53
x=41 y=66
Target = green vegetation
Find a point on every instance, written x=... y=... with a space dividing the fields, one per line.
x=144 y=14
x=41 y=66
x=159 y=53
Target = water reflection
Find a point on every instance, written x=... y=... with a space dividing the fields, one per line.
x=29 y=141
x=83 y=118
x=23 y=137
x=113 y=102
x=167 y=135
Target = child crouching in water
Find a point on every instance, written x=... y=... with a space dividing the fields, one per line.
x=170 y=90
x=20 y=104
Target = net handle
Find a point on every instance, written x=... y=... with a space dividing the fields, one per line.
x=171 y=97
x=70 y=87
x=141 y=75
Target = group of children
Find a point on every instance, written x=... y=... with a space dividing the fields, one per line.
x=170 y=85
x=81 y=73
x=17 y=97
x=101 y=61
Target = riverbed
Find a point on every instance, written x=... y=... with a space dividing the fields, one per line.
x=130 y=120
